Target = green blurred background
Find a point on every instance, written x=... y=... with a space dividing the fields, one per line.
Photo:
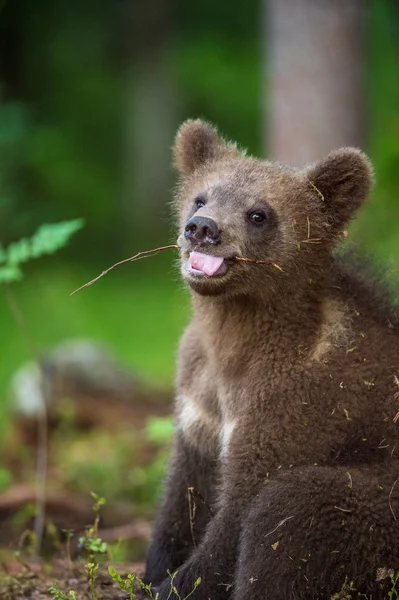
x=91 y=95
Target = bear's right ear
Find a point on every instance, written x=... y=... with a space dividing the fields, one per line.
x=197 y=142
x=342 y=180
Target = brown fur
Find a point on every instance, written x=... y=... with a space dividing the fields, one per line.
x=287 y=390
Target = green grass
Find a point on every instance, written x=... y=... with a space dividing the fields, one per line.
x=139 y=311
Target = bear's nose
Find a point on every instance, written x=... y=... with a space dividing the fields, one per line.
x=202 y=230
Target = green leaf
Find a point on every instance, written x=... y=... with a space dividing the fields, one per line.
x=51 y=237
x=18 y=252
x=10 y=273
x=47 y=240
x=112 y=572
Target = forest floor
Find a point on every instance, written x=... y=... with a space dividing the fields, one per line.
x=33 y=580
x=107 y=451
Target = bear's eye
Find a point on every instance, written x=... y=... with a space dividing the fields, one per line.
x=258 y=217
x=199 y=203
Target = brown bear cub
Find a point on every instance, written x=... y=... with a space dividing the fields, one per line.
x=283 y=481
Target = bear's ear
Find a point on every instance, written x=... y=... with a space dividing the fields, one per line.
x=342 y=180
x=197 y=142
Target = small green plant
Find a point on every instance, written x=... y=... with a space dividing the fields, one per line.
x=346 y=592
x=127 y=585
x=174 y=590
x=393 y=593
x=94 y=546
x=58 y=595
x=91 y=570
x=49 y=238
x=90 y=540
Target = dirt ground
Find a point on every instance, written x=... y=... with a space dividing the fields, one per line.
x=20 y=581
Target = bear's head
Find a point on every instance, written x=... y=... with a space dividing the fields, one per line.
x=230 y=206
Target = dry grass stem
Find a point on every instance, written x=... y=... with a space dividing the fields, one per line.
x=138 y=256
x=389 y=499
x=198 y=495
x=346 y=510
x=396 y=396
x=316 y=189
x=311 y=241
x=192 y=510
x=350 y=484
x=259 y=262
x=279 y=525
x=192 y=494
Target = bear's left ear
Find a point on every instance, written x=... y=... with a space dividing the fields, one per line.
x=342 y=180
x=198 y=142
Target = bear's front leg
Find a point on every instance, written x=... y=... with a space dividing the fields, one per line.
x=213 y=561
x=174 y=532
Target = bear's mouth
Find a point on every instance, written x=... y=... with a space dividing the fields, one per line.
x=200 y=264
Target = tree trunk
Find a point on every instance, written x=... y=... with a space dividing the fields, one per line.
x=315 y=77
x=150 y=124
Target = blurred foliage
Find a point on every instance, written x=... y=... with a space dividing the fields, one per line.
x=66 y=74
x=377 y=228
x=64 y=134
x=64 y=105
x=115 y=465
x=49 y=238
x=159 y=431
x=5 y=479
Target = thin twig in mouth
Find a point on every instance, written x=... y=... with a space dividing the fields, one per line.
x=154 y=251
x=138 y=256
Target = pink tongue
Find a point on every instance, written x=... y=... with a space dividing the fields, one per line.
x=205 y=263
